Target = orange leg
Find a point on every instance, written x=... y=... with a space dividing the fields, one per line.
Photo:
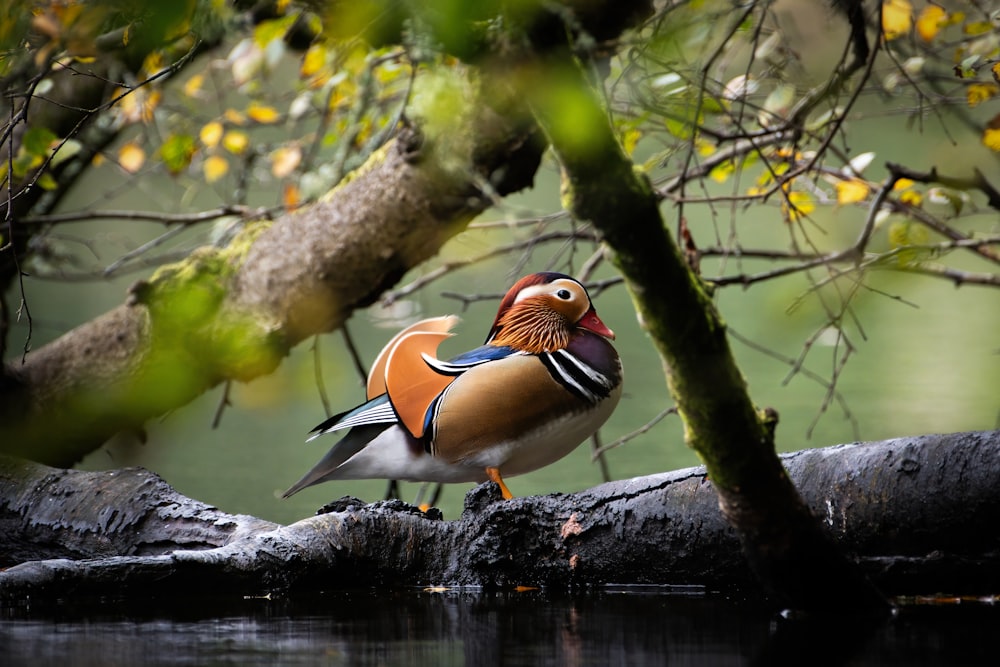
x=494 y=474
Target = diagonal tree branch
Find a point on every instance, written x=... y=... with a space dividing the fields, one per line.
x=235 y=312
x=778 y=533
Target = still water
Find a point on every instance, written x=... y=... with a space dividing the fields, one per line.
x=613 y=626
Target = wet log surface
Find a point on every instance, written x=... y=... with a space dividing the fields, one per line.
x=917 y=514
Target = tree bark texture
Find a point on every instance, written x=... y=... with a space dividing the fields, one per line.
x=918 y=515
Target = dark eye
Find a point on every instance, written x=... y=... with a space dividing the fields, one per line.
x=564 y=294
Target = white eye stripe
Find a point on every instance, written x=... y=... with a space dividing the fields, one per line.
x=554 y=287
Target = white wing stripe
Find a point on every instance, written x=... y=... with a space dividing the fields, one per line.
x=447 y=368
x=380 y=414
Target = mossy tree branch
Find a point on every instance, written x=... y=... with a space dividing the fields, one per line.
x=233 y=313
x=735 y=440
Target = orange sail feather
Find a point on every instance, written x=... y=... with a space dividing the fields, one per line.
x=411 y=383
x=376 y=376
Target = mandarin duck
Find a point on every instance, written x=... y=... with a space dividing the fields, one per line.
x=546 y=378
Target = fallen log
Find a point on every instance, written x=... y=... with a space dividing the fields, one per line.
x=918 y=514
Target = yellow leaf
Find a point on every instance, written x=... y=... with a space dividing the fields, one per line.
x=911 y=197
x=152 y=101
x=722 y=171
x=991 y=138
x=215 y=167
x=852 y=191
x=978 y=93
x=235 y=141
x=995 y=70
x=932 y=18
x=47 y=181
x=290 y=196
x=630 y=140
x=313 y=61
x=788 y=153
x=902 y=184
x=797 y=205
x=138 y=105
x=764 y=179
x=210 y=134
x=262 y=113
x=235 y=117
x=284 y=160
x=153 y=63
x=897 y=18
x=131 y=157
x=192 y=87
x=977 y=28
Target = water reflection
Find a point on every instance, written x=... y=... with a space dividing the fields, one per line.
x=609 y=627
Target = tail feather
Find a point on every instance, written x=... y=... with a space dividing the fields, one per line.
x=352 y=443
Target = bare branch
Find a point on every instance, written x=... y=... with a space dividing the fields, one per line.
x=600 y=451
x=224 y=403
x=954 y=275
x=978 y=181
x=448 y=267
x=804 y=372
x=244 y=212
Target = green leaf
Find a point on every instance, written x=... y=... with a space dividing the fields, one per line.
x=679 y=128
x=948 y=197
x=47 y=182
x=38 y=141
x=25 y=162
x=268 y=31
x=177 y=151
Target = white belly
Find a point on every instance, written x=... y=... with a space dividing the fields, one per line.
x=391 y=455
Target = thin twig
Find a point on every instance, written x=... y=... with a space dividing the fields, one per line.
x=359 y=365
x=141 y=250
x=318 y=377
x=977 y=182
x=600 y=451
x=597 y=454
x=804 y=372
x=244 y=212
x=448 y=267
x=222 y=405
x=590 y=265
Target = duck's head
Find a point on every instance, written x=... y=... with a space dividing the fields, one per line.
x=542 y=312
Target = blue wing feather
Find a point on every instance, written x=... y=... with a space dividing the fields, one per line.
x=482 y=354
